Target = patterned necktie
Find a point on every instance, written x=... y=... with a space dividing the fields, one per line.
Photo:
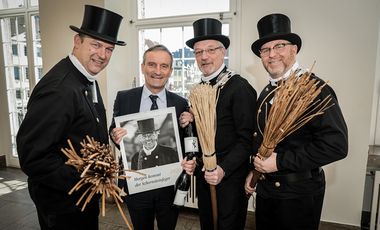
x=154 y=102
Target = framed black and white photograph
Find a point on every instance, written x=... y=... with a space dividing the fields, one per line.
x=152 y=147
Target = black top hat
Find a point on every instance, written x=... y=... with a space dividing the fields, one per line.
x=101 y=24
x=145 y=126
x=274 y=27
x=208 y=28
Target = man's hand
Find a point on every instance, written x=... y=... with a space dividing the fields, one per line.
x=214 y=177
x=248 y=189
x=117 y=134
x=188 y=165
x=268 y=165
x=185 y=118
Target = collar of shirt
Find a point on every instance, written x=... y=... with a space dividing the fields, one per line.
x=215 y=74
x=81 y=68
x=148 y=152
x=273 y=81
x=146 y=102
x=89 y=77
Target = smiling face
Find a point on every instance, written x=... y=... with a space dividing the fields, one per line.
x=157 y=68
x=209 y=56
x=279 y=58
x=149 y=140
x=93 y=54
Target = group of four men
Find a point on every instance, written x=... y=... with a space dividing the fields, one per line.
x=66 y=104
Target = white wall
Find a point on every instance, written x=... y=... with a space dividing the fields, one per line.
x=5 y=129
x=57 y=38
x=341 y=35
x=375 y=118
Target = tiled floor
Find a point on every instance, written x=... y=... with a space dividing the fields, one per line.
x=17 y=211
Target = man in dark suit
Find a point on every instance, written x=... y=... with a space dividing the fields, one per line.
x=291 y=195
x=66 y=104
x=235 y=122
x=157 y=68
x=151 y=154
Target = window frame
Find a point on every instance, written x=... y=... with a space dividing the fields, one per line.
x=27 y=12
x=232 y=18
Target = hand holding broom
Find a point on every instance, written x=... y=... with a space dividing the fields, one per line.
x=99 y=171
x=293 y=106
x=203 y=99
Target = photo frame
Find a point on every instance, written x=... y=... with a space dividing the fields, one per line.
x=152 y=147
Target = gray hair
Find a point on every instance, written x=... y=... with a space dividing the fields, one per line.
x=158 y=48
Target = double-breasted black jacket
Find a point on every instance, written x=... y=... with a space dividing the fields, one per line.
x=235 y=117
x=161 y=155
x=319 y=142
x=60 y=108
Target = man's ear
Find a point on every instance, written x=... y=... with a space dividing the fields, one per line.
x=77 y=40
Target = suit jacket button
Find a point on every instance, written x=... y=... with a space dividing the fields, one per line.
x=156 y=157
x=277 y=184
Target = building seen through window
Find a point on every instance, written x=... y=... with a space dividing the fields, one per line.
x=21 y=53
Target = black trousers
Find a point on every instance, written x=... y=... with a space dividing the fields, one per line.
x=144 y=207
x=301 y=213
x=231 y=201
x=77 y=220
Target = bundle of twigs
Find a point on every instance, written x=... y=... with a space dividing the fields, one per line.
x=294 y=105
x=99 y=171
x=203 y=99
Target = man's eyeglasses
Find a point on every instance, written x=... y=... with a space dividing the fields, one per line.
x=199 y=53
x=276 y=48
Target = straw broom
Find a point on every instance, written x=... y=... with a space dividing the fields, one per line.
x=99 y=171
x=293 y=106
x=203 y=99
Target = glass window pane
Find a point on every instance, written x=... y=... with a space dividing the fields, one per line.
x=37 y=48
x=36 y=27
x=185 y=70
x=9 y=4
x=166 y=8
x=20 y=31
x=38 y=73
x=34 y=2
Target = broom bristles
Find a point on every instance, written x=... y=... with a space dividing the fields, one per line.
x=292 y=101
x=294 y=105
x=203 y=99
